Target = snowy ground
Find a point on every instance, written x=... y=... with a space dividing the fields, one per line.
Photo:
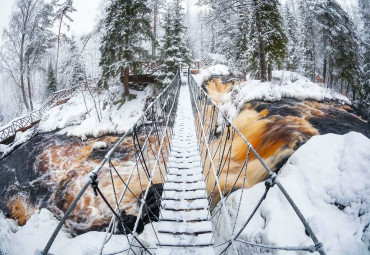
x=285 y=84
x=32 y=237
x=329 y=179
x=74 y=118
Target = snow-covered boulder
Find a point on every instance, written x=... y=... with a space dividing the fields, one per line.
x=99 y=145
x=329 y=179
x=205 y=74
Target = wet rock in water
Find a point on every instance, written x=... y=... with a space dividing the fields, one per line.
x=150 y=211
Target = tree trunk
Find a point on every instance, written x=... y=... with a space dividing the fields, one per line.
x=58 y=44
x=325 y=62
x=269 y=72
x=155 y=11
x=261 y=45
x=29 y=82
x=347 y=90
x=29 y=91
x=353 y=93
x=324 y=71
x=127 y=73
x=313 y=56
x=341 y=87
x=24 y=91
x=21 y=70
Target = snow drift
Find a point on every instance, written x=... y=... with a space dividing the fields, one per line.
x=329 y=180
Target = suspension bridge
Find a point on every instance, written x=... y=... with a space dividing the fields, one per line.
x=182 y=161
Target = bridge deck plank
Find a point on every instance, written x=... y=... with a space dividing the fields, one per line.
x=184 y=222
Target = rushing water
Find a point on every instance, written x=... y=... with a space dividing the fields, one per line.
x=49 y=170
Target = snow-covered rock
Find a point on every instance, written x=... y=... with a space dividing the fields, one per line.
x=20 y=138
x=285 y=84
x=329 y=179
x=99 y=145
x=205 y=74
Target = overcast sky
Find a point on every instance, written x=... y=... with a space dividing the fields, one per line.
x=84 y=18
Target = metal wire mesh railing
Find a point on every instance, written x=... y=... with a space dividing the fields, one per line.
x=138 y=186
x=226 y=169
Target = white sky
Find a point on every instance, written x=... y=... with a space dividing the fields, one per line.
x=84 y=18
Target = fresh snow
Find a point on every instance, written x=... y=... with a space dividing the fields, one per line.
x=20 y=137
x=99 y=145
x=75 y=121
x=285 y=84
x=205 y=74
x=329 y=180
x=33 y=236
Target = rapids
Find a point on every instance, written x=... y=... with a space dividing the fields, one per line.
x=49 y=170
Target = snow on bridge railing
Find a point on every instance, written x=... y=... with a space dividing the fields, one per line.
x=225 y=155
x=150 y=137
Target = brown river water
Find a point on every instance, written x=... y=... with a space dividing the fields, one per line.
x=49 y=170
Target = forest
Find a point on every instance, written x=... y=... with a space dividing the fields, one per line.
x=324 y=40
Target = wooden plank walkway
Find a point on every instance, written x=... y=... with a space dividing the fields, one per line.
x=185 y=226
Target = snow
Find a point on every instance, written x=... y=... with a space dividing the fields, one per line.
x=20 y=137
x=99 y=146
x=205 y=74
x=74 y=120
x=34 y=235
x=285 y=84
x=329 y=179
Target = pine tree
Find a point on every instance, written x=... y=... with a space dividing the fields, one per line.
x=255 y=54
x=51 y=81
x=307 y=44
x=266 y=35
x=174 y=51
x=127 y=26
x=241 y=57
x=274 y=35
x=73 y=71
x=62 y=14
x=291 y=30
x=339 y=44
x=364 y=7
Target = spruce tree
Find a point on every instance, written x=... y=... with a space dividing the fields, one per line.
x=339 y=44
x=364 y=6
x=255 y=54
x=73 y=71
x=241 y=50
x=274 y=36
x=291 y=30
x=127 y=26
x=173 y=52
x=307 y=44
x=51 y=81
x=266 y=36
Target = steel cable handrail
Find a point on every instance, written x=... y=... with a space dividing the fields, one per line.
x=207 y=113
x=158 y=112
